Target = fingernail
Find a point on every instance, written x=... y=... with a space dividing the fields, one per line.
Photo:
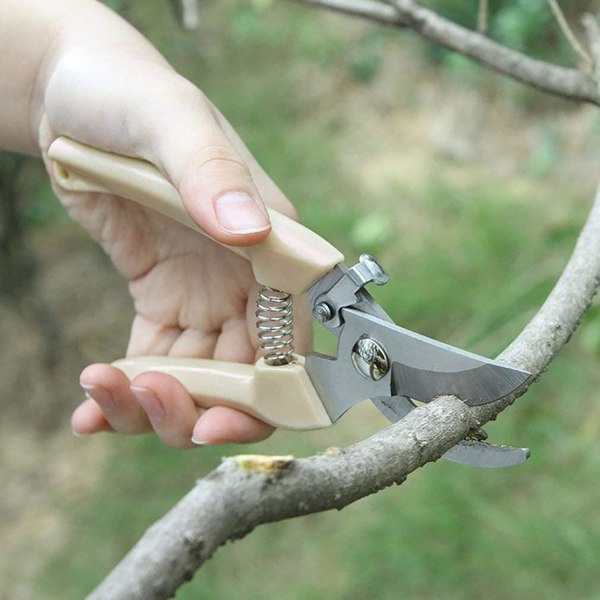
x=77 y=434
x=199 y=442
x=150 y=402
x=238 y=213
x=100 y=394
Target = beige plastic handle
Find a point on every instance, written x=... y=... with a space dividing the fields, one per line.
x=290 y=259
x=281 y=396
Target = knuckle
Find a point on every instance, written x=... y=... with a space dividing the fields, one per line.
x=217 y=157
x=211 y=167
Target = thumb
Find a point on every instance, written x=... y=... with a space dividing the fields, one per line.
x=220 y=195
x=214 y=181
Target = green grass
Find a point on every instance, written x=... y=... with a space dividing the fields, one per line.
x=470 y=263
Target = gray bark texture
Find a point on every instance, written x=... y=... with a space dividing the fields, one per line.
x=246 y=491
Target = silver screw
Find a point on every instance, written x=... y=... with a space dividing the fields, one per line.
x=370 y=358
x=322 y=312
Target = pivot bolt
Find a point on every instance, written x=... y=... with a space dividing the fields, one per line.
x=370 y=358
x=322 y=312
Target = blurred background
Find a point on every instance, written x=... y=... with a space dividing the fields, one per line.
x=469 y=188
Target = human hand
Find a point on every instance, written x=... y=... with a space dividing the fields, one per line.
x=192 y=297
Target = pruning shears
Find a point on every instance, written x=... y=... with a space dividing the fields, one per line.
x=376 y=359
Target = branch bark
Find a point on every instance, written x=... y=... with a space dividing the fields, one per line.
x=553 y=79
x=245 y=492
x=374 y=10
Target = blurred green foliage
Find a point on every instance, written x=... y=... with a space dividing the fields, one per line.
x=547 y=153
x=470 y=264
x=367 y=57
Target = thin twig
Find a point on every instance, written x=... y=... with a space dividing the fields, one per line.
x=482 y=17
x=571 y=38
x=187 y=13
x=592 y=30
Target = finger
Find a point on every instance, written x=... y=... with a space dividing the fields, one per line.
x=171 y=410
x=147 y=336
x=271 y=195
x=222 y=425
x=88 y=418
x=214 y=181
x=109 y=387
x=220 y=196
x=234 y=343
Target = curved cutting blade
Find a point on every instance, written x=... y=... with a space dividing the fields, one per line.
x=468 y=452
x=482 y=383
x=490 y=456
x=421 y=368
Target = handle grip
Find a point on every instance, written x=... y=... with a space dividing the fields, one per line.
x=290 y=259
x=281 y=396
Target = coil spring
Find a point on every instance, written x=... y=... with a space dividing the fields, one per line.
x=275 y=328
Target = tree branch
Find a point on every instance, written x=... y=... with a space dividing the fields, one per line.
x=482 y=17
x=380 y=12
x=554 y=79
x=248 y=491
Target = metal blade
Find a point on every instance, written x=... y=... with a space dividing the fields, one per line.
x=424 y=368
x=481 y=384
x=377 y=359
x=467 y=452
x=421 y=368
x=393 y=408
x=490 y=456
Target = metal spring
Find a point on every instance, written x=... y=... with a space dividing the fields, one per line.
x=275 y=328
